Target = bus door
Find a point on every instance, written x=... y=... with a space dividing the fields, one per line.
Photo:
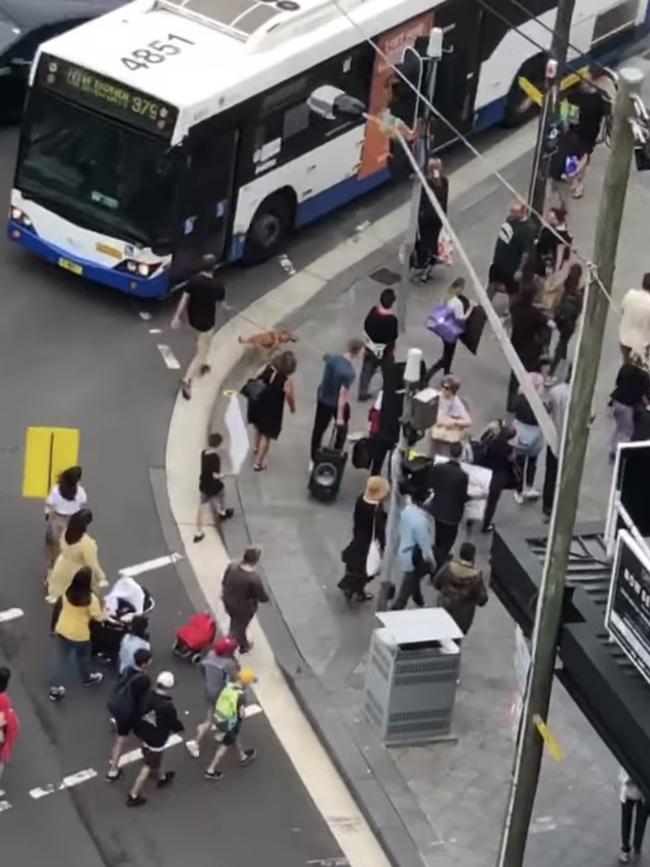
x=457 y=73
x=206 y=196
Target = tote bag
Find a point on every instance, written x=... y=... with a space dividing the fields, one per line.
x=373 y=558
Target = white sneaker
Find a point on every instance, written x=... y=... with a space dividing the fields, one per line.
x=518 y=497
x=624 y=857
x=531 y=494
x=192 y=748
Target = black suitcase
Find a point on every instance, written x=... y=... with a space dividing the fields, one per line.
x=327 y=473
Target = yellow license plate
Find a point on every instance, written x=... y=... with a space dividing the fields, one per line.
x=71 y=266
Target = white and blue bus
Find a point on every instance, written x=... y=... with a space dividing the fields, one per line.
x=169 y=128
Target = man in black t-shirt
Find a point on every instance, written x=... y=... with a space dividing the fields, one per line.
x=380 y=331
x=513 y=246
x=198 y=305
x=591 y=106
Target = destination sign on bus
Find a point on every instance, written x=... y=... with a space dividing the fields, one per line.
x=106 y=96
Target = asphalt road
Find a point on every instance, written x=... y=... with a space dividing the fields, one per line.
x=77 y=355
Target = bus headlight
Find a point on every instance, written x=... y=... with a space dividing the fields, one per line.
x=130 y=266
x=143 y=270
x=20 y=217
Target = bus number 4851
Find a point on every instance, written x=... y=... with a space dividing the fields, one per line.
x=155 y=52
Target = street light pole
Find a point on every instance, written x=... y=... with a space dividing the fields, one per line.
x=550 y=107
x=548 y=619
x=434 y=54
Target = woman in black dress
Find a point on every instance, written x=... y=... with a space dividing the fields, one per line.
x=266 y=411
x=429 y=223
x=369 y=523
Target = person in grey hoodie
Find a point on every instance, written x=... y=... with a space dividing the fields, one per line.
x=219 y=667
x=461 y=587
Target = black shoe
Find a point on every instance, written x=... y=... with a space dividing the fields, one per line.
x=205 y=368
x=227 y=513
x=166 y=779
x=213 y=775
x=249 y=755
x=186 y=390
x=135 y=801
x=112 y=776
x=198 y=537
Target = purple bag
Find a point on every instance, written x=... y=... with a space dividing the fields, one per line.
x=442 y=322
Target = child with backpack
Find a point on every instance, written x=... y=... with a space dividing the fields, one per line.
x=219 y=667
x=228 y=715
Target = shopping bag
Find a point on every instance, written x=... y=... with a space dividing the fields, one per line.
x=445 y=248
x=441 y=321
x=373 y=560
x=474 y=325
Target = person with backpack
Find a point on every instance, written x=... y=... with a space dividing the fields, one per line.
x=228 y=715
x=461 y=586
x=130 y=689
x=155 y=720
x=219 y=667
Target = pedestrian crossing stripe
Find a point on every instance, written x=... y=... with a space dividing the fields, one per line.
x=48 y=451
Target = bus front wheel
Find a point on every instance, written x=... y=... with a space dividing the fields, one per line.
x=269 y=228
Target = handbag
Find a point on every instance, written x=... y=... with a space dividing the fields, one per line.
x=473 y=331
x=446 y=434
x=441 y=321
x=253 y=389
x=374 y=556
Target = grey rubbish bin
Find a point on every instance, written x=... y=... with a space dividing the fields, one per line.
x=411 y=678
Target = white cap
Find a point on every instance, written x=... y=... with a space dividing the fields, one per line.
x=165 y=680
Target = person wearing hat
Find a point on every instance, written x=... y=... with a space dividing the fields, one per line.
x=219 y=667
x=229 y=713
x=461 y=587
x=362 y=557
x=157 y=719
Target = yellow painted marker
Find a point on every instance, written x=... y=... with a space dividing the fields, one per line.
x=48 y=451
x=550 y=741
x=530 y=90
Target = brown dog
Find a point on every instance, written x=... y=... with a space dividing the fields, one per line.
x=269 y=340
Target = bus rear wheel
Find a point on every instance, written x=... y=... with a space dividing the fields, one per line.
x=269 y=228
x=519 y=106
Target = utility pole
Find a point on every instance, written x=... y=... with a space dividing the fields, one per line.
x=548 y=619
x=434 y=54
x=550 y=107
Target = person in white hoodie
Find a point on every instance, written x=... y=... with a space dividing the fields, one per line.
x=633 y=808
x=634 y=327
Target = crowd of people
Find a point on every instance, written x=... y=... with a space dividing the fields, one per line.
x=99 y=632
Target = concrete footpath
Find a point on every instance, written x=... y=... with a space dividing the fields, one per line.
x=444 y=803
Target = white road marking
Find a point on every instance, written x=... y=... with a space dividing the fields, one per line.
x=168 y=357
x=41 y=792
x=66 y=783
x=330 y=862
x=11 y=614
x=4 y=805
x=155 y=331
x=252 y=710
x=144 y=314
x=135 y=755
x=150 y=565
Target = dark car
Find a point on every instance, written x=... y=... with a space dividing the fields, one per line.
x=24 y=25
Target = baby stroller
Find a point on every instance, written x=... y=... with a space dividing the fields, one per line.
x=195 y=637
x=126 y=600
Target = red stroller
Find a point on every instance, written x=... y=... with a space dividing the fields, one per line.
x=195 y=637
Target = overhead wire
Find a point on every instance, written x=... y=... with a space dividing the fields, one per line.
x=588 y=263
x=517 y=29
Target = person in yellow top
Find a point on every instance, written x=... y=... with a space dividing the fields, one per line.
x=78 y=549
x=78 y=606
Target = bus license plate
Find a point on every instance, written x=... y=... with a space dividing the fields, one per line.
x=71 y=266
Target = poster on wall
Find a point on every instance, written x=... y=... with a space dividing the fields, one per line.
x=376 y=145
x=630 y=482
x=628 y=609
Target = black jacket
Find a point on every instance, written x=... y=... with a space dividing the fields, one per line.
x=157 y=720
x=449 y=482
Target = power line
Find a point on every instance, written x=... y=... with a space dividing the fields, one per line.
x=589 y=265
x=551 y=30
x=541 y=48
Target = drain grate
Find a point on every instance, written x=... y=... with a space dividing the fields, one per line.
x=385 y=276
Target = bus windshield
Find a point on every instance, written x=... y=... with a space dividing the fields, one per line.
x=98 y=173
